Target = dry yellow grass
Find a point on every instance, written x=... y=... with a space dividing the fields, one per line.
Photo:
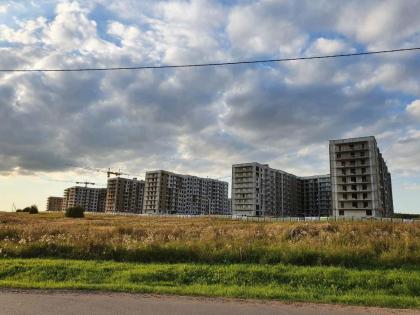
x=157 y=239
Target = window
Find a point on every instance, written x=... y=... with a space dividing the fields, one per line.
x=364 y=195
x=352 y=154
x=353 y=187
x=343 y=163
x=338 y=155
x=344 y=180
x=362 y=153
x=354 y=204
x=353 y=179
x=362 y=162
x=369 y=213
x=365 y=204
x=344 y=187
x=344 y=196
x=341 y=212
x=364 y=170
x=343 y=172
x=364 y=178
x=364 y=187
x=352 y=162
x=354 y=195
x=353 y=170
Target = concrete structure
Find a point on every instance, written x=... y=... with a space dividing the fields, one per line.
x=316 y=196
x=361 y=183
x=91 y=199
x=170 y=193
x=124 y=195
x=258 y=190
x=54 y=203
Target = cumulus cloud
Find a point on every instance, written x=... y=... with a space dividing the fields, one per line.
x=202 y=120
x=414 y=109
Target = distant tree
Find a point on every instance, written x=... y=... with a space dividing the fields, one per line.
x=33 y=209
x=75 y=212
x=26 y=209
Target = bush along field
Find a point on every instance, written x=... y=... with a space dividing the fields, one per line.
x=368 y=263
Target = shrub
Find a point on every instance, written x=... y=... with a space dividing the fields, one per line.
x=75 y=212
x=33 y=209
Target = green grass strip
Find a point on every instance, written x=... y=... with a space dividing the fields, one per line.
x=387 y=288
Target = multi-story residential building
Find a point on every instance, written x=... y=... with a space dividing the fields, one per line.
x=361 y=183
x=91 y=199
x=54 y=203
x=124 y=195
x=316 y=196
x=171 y=193
x=258 y=190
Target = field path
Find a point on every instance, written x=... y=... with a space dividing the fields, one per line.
x=14 y=302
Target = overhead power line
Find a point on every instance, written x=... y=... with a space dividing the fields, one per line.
x=217 y=64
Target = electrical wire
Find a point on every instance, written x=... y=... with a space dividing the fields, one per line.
x=217 y=64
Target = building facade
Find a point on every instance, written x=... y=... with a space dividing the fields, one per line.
x=259 y=190
x=316 y=196
x=90 y=199
x=54 y=203
x=361 y=182
x=124 y=195
x=170 y=193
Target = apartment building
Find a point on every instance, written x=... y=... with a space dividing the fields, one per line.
x=54 y=203
x=361 y=182
x=259 y=190
x=91 y=199
x=170 y=193
x=316 y=196
x=124 y=195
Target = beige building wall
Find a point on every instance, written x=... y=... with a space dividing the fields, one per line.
x=171 y=193
x=54 y=203
x=90 y=199
x=124 y=195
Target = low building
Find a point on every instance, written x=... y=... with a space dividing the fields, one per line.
x=54 y=203
x=124 y=195
x=90 y=199
x=170 y=193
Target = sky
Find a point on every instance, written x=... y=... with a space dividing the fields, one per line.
x=201 y=121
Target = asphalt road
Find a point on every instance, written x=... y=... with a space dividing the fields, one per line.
x=74 y=302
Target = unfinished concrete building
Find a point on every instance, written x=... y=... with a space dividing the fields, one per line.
x=171 y=193
x=90 y=199
x=124 y=195
x=258 y=190
x=361 y=182
x=54 y=203
x=316 y=196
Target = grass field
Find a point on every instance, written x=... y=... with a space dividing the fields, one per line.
x=367 y=263
x=389 y=288
x=207 y=240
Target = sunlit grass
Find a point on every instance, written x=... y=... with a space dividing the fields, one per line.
x=209 y=240
x=391 y=288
